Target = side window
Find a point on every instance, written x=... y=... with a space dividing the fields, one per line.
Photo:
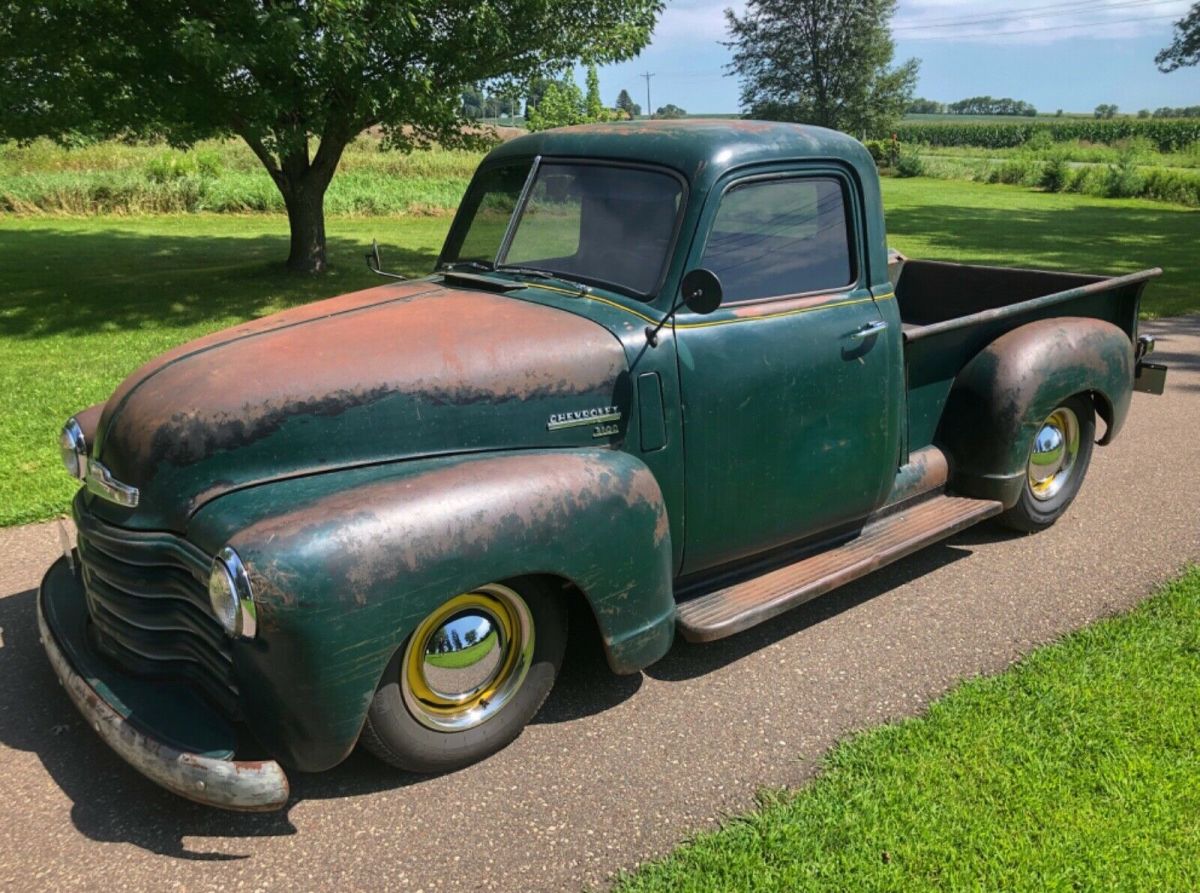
x=781 y=237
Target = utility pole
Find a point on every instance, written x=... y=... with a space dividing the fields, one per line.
x=649 y=107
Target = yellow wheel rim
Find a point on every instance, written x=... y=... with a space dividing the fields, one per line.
x=1055 y=448
x=467 y=658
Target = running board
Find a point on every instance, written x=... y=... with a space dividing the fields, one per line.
x=723 y=612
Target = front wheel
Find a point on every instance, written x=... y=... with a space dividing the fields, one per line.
x=469 y=678
x=1058 y=460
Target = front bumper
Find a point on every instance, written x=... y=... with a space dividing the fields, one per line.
x=163 y=730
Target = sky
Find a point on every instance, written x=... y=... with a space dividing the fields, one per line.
x=1052 y=53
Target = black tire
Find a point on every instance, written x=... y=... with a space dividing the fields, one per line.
x=393 y=733
x=1032 y=513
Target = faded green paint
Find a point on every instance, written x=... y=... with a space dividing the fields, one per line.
x=372 y=455
x=1003 y=394
x=344 y=565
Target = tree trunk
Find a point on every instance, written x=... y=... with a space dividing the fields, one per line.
x=305 y=202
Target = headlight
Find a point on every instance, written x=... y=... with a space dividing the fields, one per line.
x=230 y=596
x=73 y=446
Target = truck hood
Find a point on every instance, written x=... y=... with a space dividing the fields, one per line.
x=395 y=372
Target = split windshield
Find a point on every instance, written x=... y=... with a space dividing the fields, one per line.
x=590 y=223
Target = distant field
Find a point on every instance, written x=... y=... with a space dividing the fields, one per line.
x=219 y=176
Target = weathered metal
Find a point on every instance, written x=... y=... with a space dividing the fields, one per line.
x=242 y=785
x=370 y=457
x=731 y=609
x=1003 y=394
x=344 y=565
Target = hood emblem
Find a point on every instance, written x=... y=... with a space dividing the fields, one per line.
x=579 y=418
x=101 y=482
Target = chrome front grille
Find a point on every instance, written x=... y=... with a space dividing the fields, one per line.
x=147 y=598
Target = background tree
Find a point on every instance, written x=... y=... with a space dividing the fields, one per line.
x=919 y=106
x=296 y=79
x=670 y=111
x=1105 y=110
x=1185 y=49
x=825 y=62
x=561 y=105
x=593 y=105
x=626 y=104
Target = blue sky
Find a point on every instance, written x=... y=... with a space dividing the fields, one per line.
x=1053 y=53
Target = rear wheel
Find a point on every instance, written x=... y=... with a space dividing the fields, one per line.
x=469 y=678
x=1058 y=460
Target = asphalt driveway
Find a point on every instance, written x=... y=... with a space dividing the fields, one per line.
x=613 y=770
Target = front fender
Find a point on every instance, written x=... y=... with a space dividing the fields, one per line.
x=1005 y=392
x=344 y=565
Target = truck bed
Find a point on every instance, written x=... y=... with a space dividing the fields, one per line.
x=949 y=312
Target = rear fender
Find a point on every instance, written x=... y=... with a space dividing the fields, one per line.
x=343 y=566
x=1003 y=394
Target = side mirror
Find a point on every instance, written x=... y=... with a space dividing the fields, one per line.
x=701 y=291
x=375 y=263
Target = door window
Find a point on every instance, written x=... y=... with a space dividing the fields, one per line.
x=781 y=237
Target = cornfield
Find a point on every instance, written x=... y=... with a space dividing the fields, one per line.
x=1168 y=136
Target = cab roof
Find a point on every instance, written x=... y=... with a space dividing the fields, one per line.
x=699 y=148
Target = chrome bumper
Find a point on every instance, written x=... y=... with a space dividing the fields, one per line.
x=253 y=786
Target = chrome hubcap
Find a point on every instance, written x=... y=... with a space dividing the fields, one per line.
x=1055 y=449
x=467 y=659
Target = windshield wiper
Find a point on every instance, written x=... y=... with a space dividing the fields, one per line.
x=469 y=264
x=536 y=273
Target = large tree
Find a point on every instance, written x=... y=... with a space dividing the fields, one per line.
x=296 y=79
x=826 y=62
x=1185 y=49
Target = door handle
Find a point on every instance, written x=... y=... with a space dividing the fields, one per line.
x=871 y=328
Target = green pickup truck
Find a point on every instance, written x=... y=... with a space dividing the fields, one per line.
x=667 y=370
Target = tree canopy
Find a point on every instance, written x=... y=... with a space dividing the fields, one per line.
x=825 y=62
x=296 y=79
x=1185 y=49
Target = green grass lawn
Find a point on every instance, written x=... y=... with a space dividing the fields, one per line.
x=85 y=300
x=1076 y=770
x=1013 y=226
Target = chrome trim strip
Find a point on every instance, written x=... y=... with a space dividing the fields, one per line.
x=244 y=786
x=101 y=482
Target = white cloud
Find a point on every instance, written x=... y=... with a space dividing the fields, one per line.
x=1031 y=21
x=695 y=20
x=990 y=21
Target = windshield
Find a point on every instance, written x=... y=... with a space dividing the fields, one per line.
x=591 y=223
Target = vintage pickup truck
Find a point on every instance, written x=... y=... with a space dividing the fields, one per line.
x=661 y=370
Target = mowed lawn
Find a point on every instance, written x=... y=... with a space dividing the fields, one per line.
x=1076 y=770
x=85 y=300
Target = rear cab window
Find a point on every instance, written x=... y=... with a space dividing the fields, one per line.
x=781 y=237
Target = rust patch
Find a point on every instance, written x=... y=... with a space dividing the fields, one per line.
x=442 y=346
x=402 y=526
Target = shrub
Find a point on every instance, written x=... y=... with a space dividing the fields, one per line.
x=1055 y=173
x=1171 y=186
x=909 y=164
x=1123 y=179
x=885 y=153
